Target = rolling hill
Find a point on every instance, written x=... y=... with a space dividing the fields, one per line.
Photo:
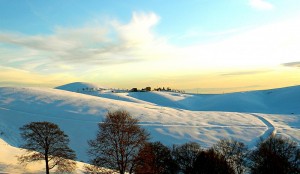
x=273 y=101
x=171 y=118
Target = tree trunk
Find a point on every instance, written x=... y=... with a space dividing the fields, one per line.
x=47 y=164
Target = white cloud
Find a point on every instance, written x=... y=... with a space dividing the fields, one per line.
x=109 y=42
x=138 y=31
x=116 y=43
x=261 y=4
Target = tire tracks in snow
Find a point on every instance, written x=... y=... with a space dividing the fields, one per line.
x=198 y=126
x=271 y=130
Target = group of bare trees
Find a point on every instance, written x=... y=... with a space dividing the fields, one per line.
x=116 y=146
x=123 y=146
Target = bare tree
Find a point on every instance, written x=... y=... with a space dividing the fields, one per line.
x=118 y=142
x=45 y=141
x=185 y=155
x=275 y=155
x=91 y=169
x=209 y=161
x=234 y=152
x=155 y=158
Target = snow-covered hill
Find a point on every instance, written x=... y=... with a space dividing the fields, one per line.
x=273 y=101
x=171 y=118
x=80 y=87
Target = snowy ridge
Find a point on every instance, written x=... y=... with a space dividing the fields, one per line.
x=171 y=118
x=80 y=86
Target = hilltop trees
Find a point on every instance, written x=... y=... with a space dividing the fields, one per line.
x=118 y=142
x=45 y=141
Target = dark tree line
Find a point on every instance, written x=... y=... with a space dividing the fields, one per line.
x=168 y=89
x=274 y=155
x=122 y=146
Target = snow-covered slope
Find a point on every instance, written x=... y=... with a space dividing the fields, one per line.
x=9 y=162
x=171 y=118
x=273 y=101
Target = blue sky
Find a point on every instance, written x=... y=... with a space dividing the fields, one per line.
x=176 y=17
x=240 y=44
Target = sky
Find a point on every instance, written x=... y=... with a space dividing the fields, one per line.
x=201 y=46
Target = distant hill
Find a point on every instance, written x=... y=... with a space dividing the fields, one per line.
x=274 y=101
x=79 y=86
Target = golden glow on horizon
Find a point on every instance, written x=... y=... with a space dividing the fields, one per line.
x=210 y=82
x=229 y=80
x=14 y=77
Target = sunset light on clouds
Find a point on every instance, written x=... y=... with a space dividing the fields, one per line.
x=208 y=46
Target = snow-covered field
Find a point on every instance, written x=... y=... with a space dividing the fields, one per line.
x=171 y=118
